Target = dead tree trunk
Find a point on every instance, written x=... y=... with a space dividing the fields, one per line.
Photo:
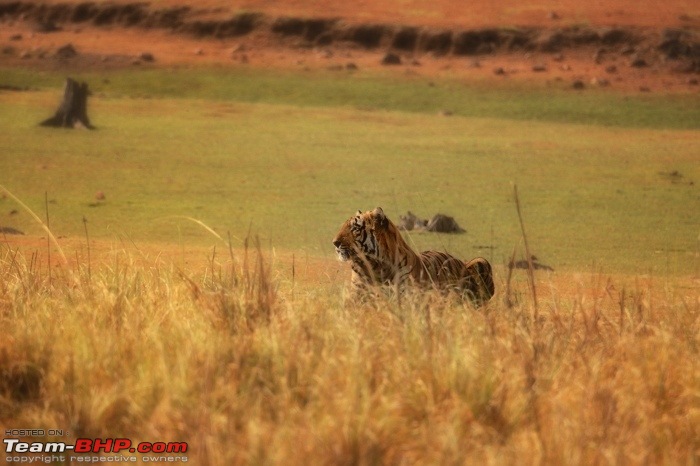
x=73 y=110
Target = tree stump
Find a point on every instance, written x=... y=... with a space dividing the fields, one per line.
x=72 y=113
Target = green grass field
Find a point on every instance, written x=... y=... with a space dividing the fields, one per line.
x=290 y=156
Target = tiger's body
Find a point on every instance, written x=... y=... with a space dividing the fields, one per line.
x=379 y=256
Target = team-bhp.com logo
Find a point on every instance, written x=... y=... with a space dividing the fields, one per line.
x=86 y=450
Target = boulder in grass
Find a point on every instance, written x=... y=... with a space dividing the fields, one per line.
x=439 y=223
x=442 y=223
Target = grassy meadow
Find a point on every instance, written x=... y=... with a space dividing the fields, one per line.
x=251 y=364
x=290 y=157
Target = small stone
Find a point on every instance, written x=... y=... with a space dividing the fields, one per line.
x=66 y=51
x=147 y=57
x=638 y=63
x=391 y=59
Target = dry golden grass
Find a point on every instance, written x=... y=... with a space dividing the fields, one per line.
x=249 y=370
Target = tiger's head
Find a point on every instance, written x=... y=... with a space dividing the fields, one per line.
x=367 y=236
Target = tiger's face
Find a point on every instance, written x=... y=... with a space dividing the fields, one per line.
x=358 y=236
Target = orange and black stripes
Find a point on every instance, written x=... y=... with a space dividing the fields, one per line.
x=379 y=256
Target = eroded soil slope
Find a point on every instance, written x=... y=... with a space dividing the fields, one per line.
x=624 y=46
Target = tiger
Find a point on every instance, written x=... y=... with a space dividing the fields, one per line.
x=379 y=256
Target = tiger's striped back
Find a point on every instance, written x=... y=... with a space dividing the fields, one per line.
x=473 y=279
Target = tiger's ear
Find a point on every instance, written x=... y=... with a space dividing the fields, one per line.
x=380 y=219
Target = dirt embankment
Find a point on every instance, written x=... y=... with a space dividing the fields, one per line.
x=116 y=34
x=681 y=45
